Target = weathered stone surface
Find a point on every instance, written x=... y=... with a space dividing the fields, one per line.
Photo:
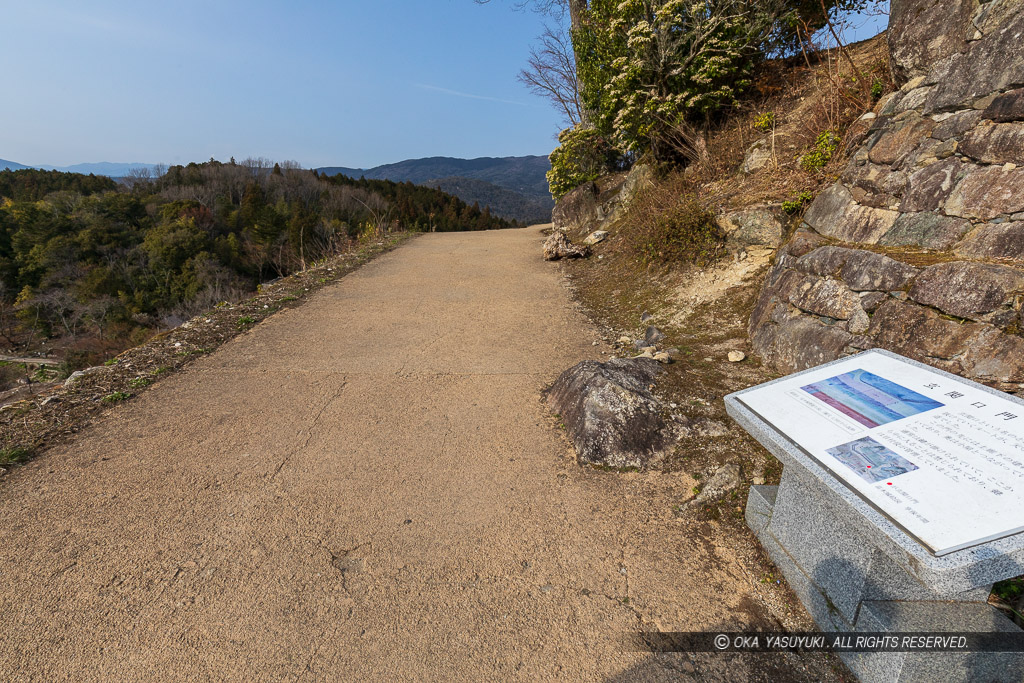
x=860 y=270
x=911 y=98
x=615 y=205
x=870 y=301
x=927 y=230
x=610 y=414
x=1006 y=107
x=955 y=125
x=804 y=241
x=829 y=203
x=923 y=31
x=996 y=144
x=834 y=214
x=558 y=246
x=873 y=185
x=725 y=479
x=577 y=210
x=757 y=225
x=799 y=342
x=595 y=237
x=974 y=350
x=652 y=335
x=826 y=261
x=968 y=290
x=987 y=193
x=866 y=271
x=989 y=65
x=827 y=297
x=994 y=241
x=757 y=157
x=896 y=144
x=79 y=374
x=928 y=188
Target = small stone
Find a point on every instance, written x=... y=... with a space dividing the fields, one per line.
x=625 y=340
x=673 y=352
x=595 y=237
x=758 y=481
x=649 y=349
x=736 y=356
x=2 y=471
x=594 y=344
x=645 y=316
x=653 y=335
x=662 y=357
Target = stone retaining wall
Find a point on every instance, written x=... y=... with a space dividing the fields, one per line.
x=934 y=182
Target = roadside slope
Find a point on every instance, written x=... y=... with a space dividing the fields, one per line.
x=366 y=487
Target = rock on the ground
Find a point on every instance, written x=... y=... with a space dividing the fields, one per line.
x=736 y=356
x=558 y=246
x=725 y=479
x=653 y=335
x=610 y=413
x=757 y=156
x=79 y=374
x=595 y=237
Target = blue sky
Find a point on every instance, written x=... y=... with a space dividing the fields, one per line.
x=343 y=82
x=331 y=82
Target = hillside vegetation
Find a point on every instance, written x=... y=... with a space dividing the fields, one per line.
x=515 y=188
x=88 y=268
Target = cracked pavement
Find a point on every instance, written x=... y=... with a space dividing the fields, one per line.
x=364 y=487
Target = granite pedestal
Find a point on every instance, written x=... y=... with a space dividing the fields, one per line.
x=856 y=571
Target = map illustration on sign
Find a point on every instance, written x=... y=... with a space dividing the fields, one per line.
x=869 y=399
x=871 y=460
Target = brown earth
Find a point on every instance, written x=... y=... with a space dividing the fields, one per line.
x=368 y=487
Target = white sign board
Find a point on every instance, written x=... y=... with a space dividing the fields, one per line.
x=941 y=458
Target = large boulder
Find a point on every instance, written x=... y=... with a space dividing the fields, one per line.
x=922 y=32
x=614 y=206
x=610 y=413
x=576 y=211
x=754 y=226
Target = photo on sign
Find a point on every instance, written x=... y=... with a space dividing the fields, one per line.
x=872 y=461
x=869 y=399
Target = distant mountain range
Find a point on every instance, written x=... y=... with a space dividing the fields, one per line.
x=107 y=168
x=513 y=187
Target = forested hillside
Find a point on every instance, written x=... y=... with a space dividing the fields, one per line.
x=90 y=266
x=501 y=202
x=525 y=197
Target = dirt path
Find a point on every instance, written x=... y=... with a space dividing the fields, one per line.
x=366 y=487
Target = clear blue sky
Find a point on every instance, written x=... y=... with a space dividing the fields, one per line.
x=330 y=82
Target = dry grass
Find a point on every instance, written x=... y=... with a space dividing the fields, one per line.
x=807 y=97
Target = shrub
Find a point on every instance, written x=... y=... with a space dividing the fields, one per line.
x=797 y=203
x=581 y=156
x=824 y=147
x=116 y=396
x=877 y=88
x=765 y=122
